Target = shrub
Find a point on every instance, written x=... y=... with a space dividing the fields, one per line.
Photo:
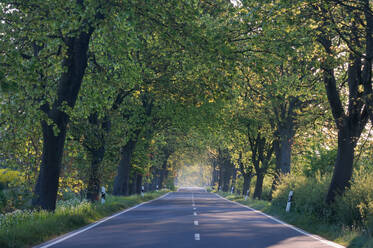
x=10 y=178
x=309 y=194
x=355 y=207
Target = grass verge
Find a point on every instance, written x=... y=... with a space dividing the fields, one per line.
x=347 y=236
x=24 y=228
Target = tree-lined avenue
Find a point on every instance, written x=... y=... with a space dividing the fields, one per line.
x=169 y=222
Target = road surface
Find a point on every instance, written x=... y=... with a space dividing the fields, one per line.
x=190 y=217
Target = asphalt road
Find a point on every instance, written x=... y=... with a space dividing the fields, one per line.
x=190 y=217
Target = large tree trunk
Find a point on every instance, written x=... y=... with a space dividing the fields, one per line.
x=247 y=175
x=234 y=177
x=138 y=183
x=258 y=186
x=132 y=184
x=93 y=188
x=246 y=183
x=343 y=166
x=284 y=162
x=227 y=174
x=220 y=182
x=163 y=173
x=282 y=148
x=67 y=92
x=226 y=169
x=121 y=182
x=215 y=174
x=352 y=122
x=47 y=184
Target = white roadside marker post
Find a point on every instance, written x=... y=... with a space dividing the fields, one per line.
x=103 y=195
x=142 y=191
x=247 y=194
x=219 y=188
x=290 y=198
x=156 y=188
x=232 y=189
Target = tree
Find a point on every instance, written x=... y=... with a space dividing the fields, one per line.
x=344 y=31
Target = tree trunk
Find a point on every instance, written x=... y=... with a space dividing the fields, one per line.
x=163 y=173
x=93 y=188
x=132 y=184
x=282 y=148
x=258 y=186
x=121 y=182
x=343 y=166
x=47 y=183
x=215 y=175
x=226 y=177
x=234 y=176
x=220 y=182
x=246 y=183
x=67 y=92
x=138 y=183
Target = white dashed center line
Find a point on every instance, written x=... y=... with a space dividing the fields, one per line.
x=196 y=222
x=196 y=236
x=195 y=213
x=194 y=208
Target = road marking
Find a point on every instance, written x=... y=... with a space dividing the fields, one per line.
x=330 y=243
x=74 y=233
x=196 y=222
x=195 y=213
x=197 y=236
x=194 y=208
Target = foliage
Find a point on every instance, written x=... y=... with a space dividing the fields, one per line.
x=321 y=162
x=309 y=193
x=355 y=207
x=10 y=178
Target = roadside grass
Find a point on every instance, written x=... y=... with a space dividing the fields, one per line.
x=348 y=236
x=24 y=228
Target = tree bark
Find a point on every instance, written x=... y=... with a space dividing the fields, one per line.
x=282 y=149
x=350 y=124
x=227 y=174
x=121 y=182
x=94 y=182
x=163 y=172
x=234 y=176
x=132 y=184
x=67 y=92
x=220 y=182
x=246 y=183
x=343 y=166
x=138 y=183
x=258 y=185
x=215 y=174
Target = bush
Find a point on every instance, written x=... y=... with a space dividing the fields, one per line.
x=321 y=163
x=10 y=178
x=309 y=194
x=355 y=207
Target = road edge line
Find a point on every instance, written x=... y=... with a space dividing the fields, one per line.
x=92 y=225
x=325 y=241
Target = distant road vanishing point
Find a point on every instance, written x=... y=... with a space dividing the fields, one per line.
x=190 y=217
